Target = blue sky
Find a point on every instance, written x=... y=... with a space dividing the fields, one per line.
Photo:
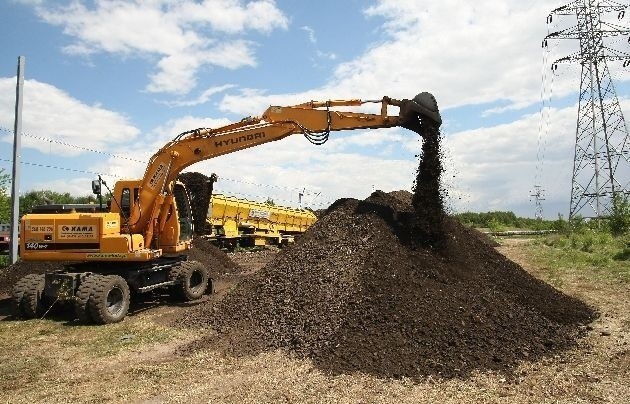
x=123 y=77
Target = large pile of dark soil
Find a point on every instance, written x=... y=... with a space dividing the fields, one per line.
x=355 y=294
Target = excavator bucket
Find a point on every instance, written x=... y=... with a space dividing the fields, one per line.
x=422 y=107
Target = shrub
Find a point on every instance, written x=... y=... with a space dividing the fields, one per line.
x=619 y=221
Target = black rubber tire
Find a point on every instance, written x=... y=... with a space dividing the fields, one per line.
x=192 y=278
x=17 y=294
x=33 y=301
x=109 y=303
x=81 y=298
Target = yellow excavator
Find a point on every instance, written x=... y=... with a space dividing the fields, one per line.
x=139 y=242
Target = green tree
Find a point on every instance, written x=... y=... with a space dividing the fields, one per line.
x=34 y=198
x=619 y=221
x=5 y=199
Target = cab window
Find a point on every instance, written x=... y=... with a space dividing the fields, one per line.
x=125 y=202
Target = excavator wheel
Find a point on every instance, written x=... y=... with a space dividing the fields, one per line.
x=32 y=301
x=109 y=301
x=192 y=279
x=26 y=296
x=81 y=298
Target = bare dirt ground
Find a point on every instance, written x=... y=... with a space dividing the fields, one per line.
x=138 y=360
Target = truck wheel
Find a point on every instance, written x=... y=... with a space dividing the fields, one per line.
x=32 y=301
x=109 y=302
x=17 y=294
x=193 y=278
x=84 y=292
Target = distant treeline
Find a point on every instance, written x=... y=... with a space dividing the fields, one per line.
x=500 y=220
x=617 y=223
x=34 y=198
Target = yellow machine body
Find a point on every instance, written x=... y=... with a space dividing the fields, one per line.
x=254 y=223
x=80 y=236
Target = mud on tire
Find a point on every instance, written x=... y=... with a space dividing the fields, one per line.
x=81 y=298
x=26 y=297
x=193 y=280
x=109 y=301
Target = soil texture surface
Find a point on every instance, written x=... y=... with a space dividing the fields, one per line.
x=358 y=293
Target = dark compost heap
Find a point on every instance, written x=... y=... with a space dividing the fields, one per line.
x=390 y=286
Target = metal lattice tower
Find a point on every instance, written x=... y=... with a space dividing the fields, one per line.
x=601 y=166
x=538 y=195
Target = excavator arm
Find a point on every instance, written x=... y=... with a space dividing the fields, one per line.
x=315 y=120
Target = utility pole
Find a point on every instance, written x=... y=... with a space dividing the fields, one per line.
x=17 y=145
x=601 y=163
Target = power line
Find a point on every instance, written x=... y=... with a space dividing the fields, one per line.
x=74 y=146
x=118 y=156
x=76 y=170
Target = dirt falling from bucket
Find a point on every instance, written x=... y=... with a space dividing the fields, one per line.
x=427 y=199
x=200 y=191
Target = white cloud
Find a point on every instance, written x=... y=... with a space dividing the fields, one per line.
x=50 y=113
x=204 y=97
x=74 y=186
x=466 y=53
x=311 y=34
x=326 y=55
x=496 y=168
x=231 y=16
x=183 y=35
x=144 y=148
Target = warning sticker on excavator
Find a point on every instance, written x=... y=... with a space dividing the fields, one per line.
x=259 y=213
x=70 y=232
x=106 y=255
x=157 y=175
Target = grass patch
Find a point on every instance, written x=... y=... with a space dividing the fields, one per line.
x=126 y=336
x=103 y=340
x=596 y=255
x=16 y=372
x=32 y=350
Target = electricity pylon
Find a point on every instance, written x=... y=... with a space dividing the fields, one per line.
x=601 y=164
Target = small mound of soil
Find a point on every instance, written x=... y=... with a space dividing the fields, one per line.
x=11 y=274
x=217 y=262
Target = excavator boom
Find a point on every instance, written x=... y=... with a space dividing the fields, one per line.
x=314 y=119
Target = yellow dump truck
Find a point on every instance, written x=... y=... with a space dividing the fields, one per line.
x=238 y=222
